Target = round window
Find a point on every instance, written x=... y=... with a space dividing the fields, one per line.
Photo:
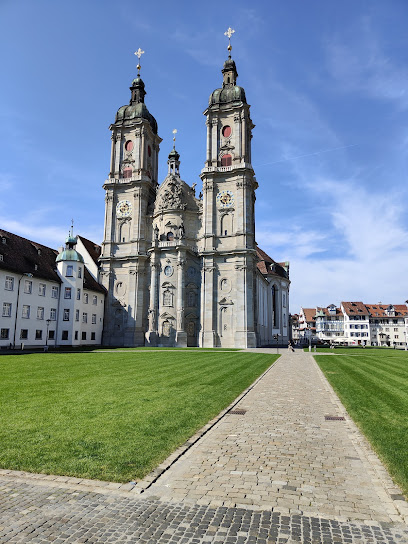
x=129 y=145
x=226 y=131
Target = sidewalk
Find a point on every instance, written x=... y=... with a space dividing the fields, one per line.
x=283 y=455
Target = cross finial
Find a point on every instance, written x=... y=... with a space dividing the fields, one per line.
x=229 y=33
x=174 y=138
x=138 y=54
x=72 y=227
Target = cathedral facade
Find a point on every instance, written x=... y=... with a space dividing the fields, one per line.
x=181 y=269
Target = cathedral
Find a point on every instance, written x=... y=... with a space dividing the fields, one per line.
x=182 y=269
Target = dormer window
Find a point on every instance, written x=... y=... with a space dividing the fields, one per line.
x=3 y=240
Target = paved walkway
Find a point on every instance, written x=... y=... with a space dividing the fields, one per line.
x=277 y=473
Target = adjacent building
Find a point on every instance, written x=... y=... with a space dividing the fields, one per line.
x=48 y=298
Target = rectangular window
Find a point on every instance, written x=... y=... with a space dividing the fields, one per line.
x=53 y=314
x=92 y=336
x=66 y=315
x=23 y=334
x=41 y=289
x=6 y=309
x=84 y=317
x=25 y=313
x=93 y=319
x=68 y=291
x=94 y=300
x=85 y=298
x=76 y=335
x=395 y=329
x=51 y=335
x=79 y=272
x=28 y=286
x=54 y=292
x=84 y=336
x=40 y=313
x=70 y=271
x=9 y=285
x=76 y=315
x=38 y=335
x=78 y=294
x=4 y=334
x=64 y=335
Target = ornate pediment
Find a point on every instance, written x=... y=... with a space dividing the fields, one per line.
x=225 y=301
x=191 y=316
x=172 y=198
x=166 y=315
x=191 y=286
x=167 y=285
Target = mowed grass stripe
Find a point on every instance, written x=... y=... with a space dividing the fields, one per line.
x=375 y=393
x=112 y=416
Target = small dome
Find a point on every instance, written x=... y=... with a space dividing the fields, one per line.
x=69 y=255
x=229 y=65
x=228 y=94
x=136 y=111
x=173 y=155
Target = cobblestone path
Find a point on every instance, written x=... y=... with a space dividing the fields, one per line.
x=279 y=473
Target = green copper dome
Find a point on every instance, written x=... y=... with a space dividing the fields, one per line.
x=228 y=94
x=69 y=255
x=136 y=109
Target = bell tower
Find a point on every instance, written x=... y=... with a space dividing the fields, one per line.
x=228 y=246
x=129 y=200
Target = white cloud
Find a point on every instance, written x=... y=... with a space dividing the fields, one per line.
x=363 y=65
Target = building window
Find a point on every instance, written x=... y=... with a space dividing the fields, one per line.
x=95 y=300
x=6 y=309
x=66 y=315
x=226 y=131
x=64 y=335
x=170 y=236
x=84 y=317
x=1 y=257
x=51 y=335
x=4 y=334
x=76 y=315
x=78 y=294
x=226 y=160
x=167 y=298
x=76 y=335
x=9 y=286
x=25 y=312
x=83 y=335
x=54 y=292
x=28 y=287
x=129 y=145
x=70 y=271
x=79 y=272
x=41 y=289
x=38 y=334
x=85 y=298
x=40 y=312
x=67 y=292
x=93 y=336
x=127 y=172
x=23 y=334
x=53 y=314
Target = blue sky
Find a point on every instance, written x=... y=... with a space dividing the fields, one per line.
x=327 y=83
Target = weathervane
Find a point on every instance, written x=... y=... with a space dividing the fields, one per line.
x=229 y=33
x=174 y=138
x=138 y=54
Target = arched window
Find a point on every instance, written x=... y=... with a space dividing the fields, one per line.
x=191 y=298
x=226 y=160
x=129 y=145
x=226 y=224
x=275 y=306
x=226 y=130
x=127 y=172
x=166 y=328
x=167 y=298
x=170 y=236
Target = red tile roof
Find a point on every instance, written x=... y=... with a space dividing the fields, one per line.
x=309 y=313
x=355 y=308
x=267 y=266
x=93 y=249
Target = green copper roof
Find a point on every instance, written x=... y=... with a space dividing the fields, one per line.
x=69 y=255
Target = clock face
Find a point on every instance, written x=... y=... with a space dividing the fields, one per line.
x=124 y=208
x=225 y=199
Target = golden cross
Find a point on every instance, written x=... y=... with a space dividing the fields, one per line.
x=229 y=33
x=174 y=137
x=138 y=54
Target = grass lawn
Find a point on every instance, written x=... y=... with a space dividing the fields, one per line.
x=112 y=416
x=373 y=386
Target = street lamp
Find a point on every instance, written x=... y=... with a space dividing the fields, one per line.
x=46 y=338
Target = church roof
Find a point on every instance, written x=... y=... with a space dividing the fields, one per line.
x=267 y=266
x=23 y=256
x=136 y=109
x=93 y=249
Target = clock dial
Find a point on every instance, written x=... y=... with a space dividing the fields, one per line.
x=225 y=199
x=124 y=208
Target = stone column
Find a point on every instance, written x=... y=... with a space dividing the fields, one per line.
x=208 y=123
x=181 y=335
x=112 y=163
x=244 y=137
x=151 y=335
x=214 y=141
x=117 y=154
x=208 y=335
